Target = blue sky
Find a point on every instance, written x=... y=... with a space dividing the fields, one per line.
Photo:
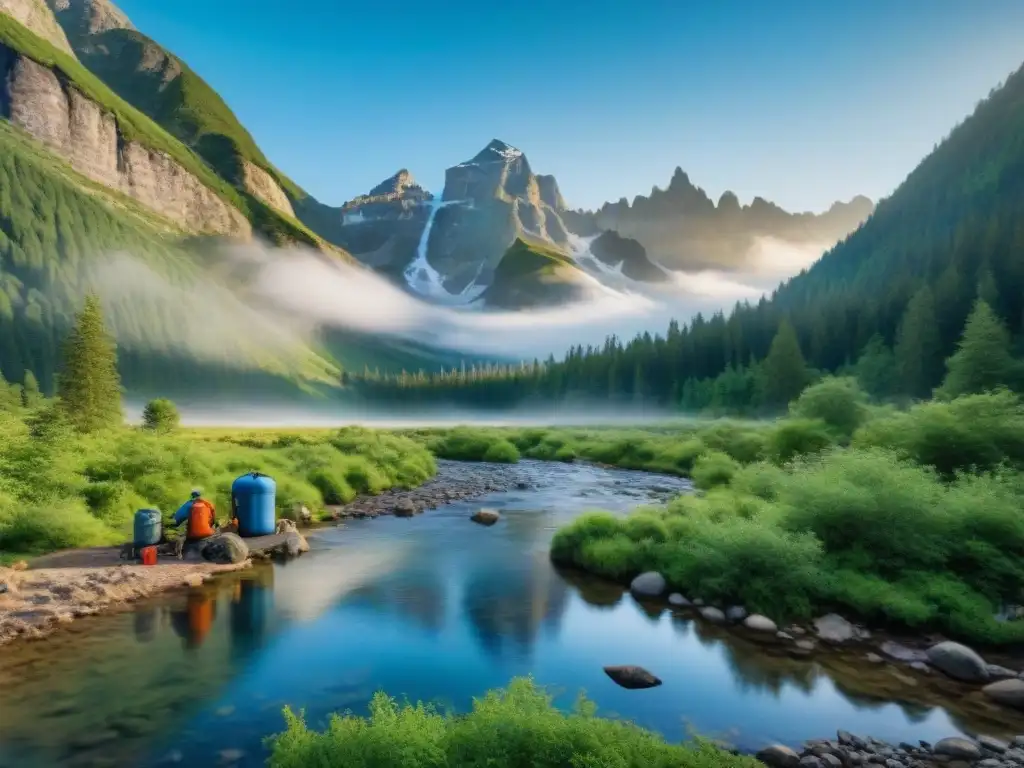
x=800 y=101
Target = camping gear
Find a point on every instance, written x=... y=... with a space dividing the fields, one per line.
x=149 y=555
x=201 y=520
x=252 y=503
x=148 y=528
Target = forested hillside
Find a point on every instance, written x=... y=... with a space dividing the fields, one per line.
x=889 y=302
x=181 y=326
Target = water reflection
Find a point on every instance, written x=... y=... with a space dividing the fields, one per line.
x=434 y=608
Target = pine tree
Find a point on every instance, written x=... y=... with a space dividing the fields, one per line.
x=30 y=395
x=982 y=361
x=784 y=373
x=89 y=386
x=917 y=351
x=876 y=369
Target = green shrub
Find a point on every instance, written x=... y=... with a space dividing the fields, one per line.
x=502 y=451
x=797 y=437
x=518 y=726
x=160 y=415
x=713 y=469
x=837 y=402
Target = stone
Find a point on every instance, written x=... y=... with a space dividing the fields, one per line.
x=649 y=584
x=698 y=602
x=225 y=548
x=992 y=744
x=779 y=756
x=957 y=748
x=958 y=661
x=632 y=677
x=996 y=672
x=785 y=636
x=735 y=613
x=404 y=508
x=805 y=644
x=486 y=517
x=810 y=761
x=989 y=762
x=874 y=658
x=714 y=615
x=920 y=666
x=901 y=653
x=833 y=628
x=829 y=760
x=759 y=623
x=194 y=580
x=1008 y=693
x=678 y=600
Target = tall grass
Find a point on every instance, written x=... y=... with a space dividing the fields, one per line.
x=517 y=726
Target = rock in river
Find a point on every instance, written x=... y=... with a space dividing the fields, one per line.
x=714 y=615
x=678 y=600
x=736 y=613
x=403 y=508
x=779 y=756
x=1009 y=693
x=957 y=748
x=486 y=516
x=225 y=548
x=759 y=623
x=631 y=677
x=650 y=584
x=958 y=661
x=833 y=628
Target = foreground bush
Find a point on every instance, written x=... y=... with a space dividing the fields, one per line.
x=866 y=531
x=59 y=488
x=513 y=727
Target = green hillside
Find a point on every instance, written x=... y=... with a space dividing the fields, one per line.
x=137 y=126
x=182 y=324
x=952 y=232
x=532 y=274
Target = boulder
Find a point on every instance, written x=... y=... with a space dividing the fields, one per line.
x=992 y=744
x=958 y=748
x=294 y=544
x=678 y=600
x=1009 y=693
x=996 y=672
x=486 y=516
x=958 y=661
x=833 y=628
x=779 y=756
x=302 y=514
x=736 y=613
x=759 y=623
x=714 y=615
x=224 y=548
x=285 y=526
x=404 y=508
x=901 y=653
x=650 y=584
x=632 y=677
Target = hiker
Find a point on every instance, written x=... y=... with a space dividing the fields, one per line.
x=202 y=522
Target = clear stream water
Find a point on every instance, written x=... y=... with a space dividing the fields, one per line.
x=433 y=608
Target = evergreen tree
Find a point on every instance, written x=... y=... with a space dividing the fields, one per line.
x=89 y=385
x=30 y=395
x=917 y=351
x=982 y=361
x=875 y=370
x=784 y=372
x=160 y=415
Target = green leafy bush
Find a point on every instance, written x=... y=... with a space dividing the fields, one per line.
x=517 y=726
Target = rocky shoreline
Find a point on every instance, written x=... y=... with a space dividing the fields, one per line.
x=454 y=481
x=849 y=751
x=1001 y=685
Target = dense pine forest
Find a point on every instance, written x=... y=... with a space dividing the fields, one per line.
x=887 y=304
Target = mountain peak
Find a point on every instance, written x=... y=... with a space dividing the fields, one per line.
x=396 y=184
x=84 y=18
x=497 y=152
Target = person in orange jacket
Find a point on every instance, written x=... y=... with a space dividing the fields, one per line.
x=201 y=518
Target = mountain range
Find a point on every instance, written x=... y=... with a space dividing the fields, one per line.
x=125 y=144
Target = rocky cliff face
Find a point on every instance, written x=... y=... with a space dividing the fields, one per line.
x=36 y=16
x=682 y=228
x=498 y=199
x=159 y=84
x=616 y=251
x=41 y=102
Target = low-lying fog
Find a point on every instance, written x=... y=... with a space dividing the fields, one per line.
x=273 y=299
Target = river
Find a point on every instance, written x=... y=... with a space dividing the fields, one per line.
x=435 y=608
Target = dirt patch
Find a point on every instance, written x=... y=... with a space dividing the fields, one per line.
x=64 y=586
